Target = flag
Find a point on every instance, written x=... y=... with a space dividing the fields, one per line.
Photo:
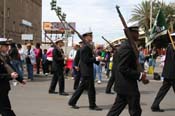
x=159 y=27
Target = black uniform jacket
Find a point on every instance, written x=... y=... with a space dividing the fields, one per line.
x=169 y=67
x=77 y=58
x=4 y=76
x=58 y=60
x=125 y=70
x=86 y=61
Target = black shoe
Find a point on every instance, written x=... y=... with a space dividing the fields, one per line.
x=157 y=110
x=64 y=94
x=110 y=93
x=52 y=92
x=95 y=108
x=74 y=106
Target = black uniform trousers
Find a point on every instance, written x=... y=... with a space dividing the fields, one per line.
x=110 y=83
x=167 y=83
x=121 y=101
x=58 y=77
x=5 y=106
x=86 y=83
x=77 y=79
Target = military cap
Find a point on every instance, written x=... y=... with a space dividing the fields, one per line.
x=5 y=41
x=173 y=34
x=87 y=34
x=134 y=27
x=58 y=40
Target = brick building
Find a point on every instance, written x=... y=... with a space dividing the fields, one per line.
x=22 y=20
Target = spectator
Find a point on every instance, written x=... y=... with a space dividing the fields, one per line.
x=44 y=63
x=141 y=57
x=15 y=59
x=49 y=59
x=38 y=54
x=71 y=58
x=98 y=67
x=30 y=61
x=22 y=56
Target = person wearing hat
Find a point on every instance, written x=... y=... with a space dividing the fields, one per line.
x=6 y=74
x=112 y=77
x=77 y=67
x=168 y=75
x=86 y=69
x=58 y=69
x=126 y=77
x=30 y=60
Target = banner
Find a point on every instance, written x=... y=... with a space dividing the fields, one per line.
x=159 y=27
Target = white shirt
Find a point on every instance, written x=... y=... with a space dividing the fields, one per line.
x=72 y=54
x=22 y=54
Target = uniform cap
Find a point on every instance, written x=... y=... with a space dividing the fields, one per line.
x=134 y=27
x=87 y=34
x=58 y=40
x=5 y=41
x=173 y=34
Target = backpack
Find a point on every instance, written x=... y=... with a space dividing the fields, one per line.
x=156 y=76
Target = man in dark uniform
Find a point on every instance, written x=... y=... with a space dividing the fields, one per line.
x=77 y=67
x=112 y=78
x=86 y=69
x=126 y=77
x=58 y=69
x=169 y=79
x=6 y=74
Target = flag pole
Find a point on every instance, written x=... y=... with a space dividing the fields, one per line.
x=171 y=39
x=151 y=16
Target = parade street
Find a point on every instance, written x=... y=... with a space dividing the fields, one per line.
x=33 y=100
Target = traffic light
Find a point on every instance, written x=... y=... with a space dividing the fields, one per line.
x=58 y=11
x=53 y=4
x=64 y=17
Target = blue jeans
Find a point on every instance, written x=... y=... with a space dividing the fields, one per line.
x=152 y=62
x=30 y=71
x=18 y=67
x=98 y=71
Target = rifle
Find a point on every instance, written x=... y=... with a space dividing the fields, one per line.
x=79 y=35
x=54 y=44
x=109 y=43
x=131 y=42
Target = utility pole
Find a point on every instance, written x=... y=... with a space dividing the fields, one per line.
x=151 y=13
x=151 y=16
x=4 y=21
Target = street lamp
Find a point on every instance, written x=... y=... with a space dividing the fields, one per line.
x=63 y=16
x=58 y=11
x=53 y=4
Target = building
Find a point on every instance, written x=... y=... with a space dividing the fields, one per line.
x=116 y=41
x=21 y=20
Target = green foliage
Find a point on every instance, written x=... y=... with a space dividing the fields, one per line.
x=141 y=14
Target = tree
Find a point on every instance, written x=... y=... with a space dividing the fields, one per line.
x=141 y=14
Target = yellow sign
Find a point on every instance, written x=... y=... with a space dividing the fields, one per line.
x=47 y=26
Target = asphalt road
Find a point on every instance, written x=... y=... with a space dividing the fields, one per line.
x=33 y=100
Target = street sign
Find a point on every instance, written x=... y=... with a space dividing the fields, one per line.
x=27 y=37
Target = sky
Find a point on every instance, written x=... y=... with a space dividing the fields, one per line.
x=98 y=16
